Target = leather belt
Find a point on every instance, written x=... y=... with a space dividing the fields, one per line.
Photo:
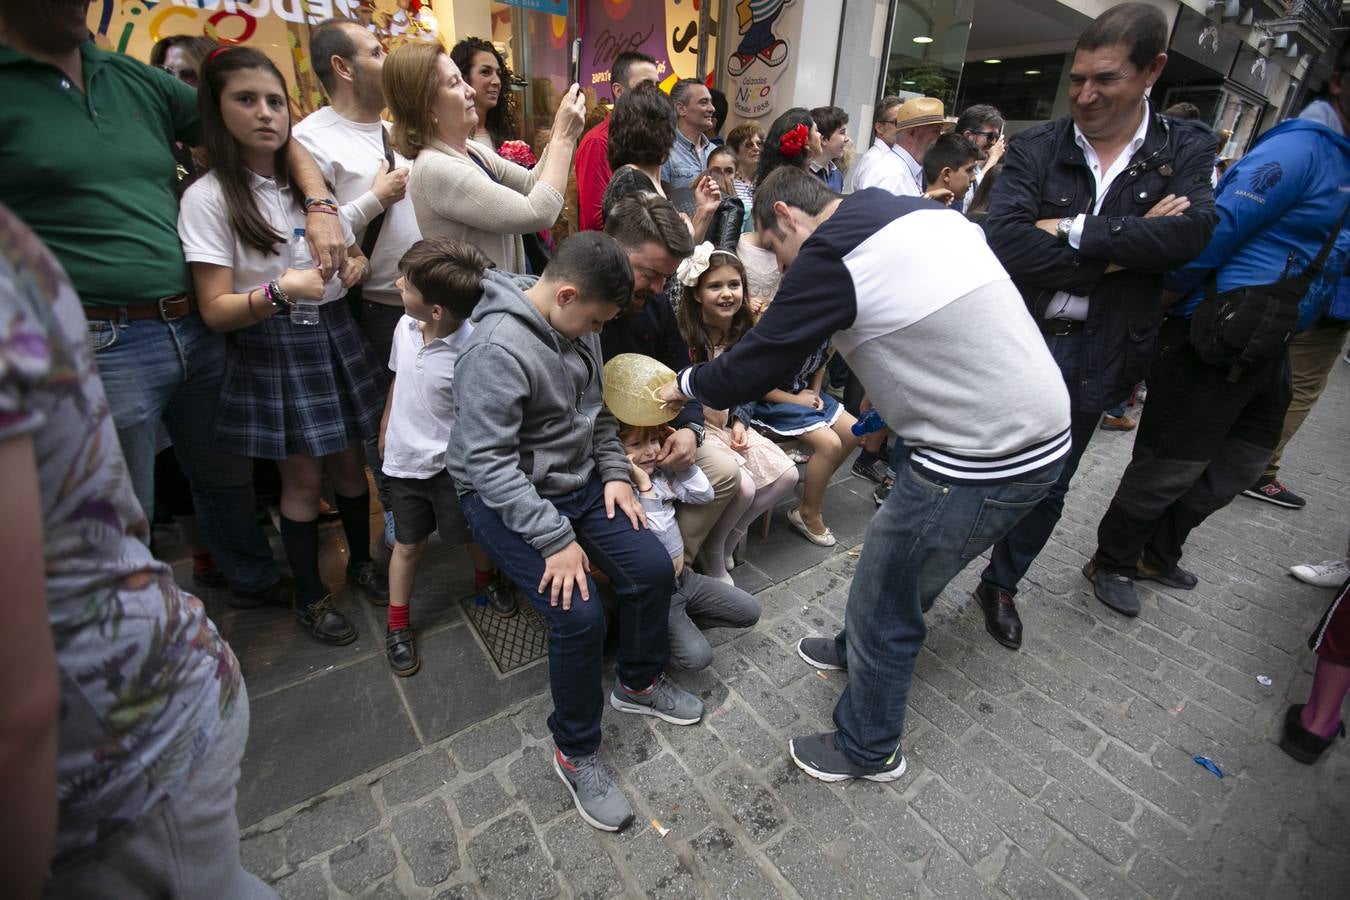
x=167 y=309
x=1059 y=327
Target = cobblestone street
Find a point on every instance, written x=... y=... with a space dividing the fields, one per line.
x=1062 y=770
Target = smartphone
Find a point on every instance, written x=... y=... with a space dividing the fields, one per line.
x=576 y=61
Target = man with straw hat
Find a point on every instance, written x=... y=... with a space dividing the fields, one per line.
x=904 y=131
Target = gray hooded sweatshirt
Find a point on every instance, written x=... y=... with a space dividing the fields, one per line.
x=530 y=419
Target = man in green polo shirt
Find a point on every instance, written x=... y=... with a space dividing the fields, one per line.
x=85 y=161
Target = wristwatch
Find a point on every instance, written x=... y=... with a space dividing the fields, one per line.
x=697 y=429
x=1062 y=229
x=277 y=297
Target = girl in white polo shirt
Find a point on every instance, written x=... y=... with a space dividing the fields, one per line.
x=306 y=396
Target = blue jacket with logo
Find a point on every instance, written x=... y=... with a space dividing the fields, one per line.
x=1276 y=207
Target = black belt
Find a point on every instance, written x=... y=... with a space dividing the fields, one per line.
x=1059 y=327
x=168 y=309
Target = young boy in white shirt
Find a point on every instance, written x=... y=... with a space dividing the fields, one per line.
x=439 y=285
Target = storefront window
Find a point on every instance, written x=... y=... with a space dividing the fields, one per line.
x=1023 y=89
x=927 y=48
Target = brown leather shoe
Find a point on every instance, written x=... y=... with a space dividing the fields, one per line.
x=1000 y=615
x=1116 y=423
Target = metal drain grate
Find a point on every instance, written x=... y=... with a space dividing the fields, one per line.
x=512 y=643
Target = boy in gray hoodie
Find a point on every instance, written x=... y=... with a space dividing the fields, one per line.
x=546 y=490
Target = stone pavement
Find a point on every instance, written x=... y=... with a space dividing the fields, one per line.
x=1063 y=770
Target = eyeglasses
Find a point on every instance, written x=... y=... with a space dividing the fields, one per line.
x=987 y=135
x=187 y=76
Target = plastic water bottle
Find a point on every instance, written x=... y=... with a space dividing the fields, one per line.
x=303 y=312
x=870 y=423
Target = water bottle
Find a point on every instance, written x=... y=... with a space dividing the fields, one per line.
x=870 y=423
x=303 y=312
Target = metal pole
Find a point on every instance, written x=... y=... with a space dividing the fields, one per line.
x=704 y=19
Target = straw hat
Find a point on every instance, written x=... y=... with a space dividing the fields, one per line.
x=631 y=382
x=918 y=111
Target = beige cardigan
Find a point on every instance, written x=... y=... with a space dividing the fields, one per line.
x=454 y=198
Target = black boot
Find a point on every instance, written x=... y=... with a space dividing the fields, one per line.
x=1000 y=615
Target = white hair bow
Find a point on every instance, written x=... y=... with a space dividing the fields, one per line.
x=694 y=265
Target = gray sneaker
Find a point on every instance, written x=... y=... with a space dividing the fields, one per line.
x=823 y=653
x=663 y=699
x=594 y=792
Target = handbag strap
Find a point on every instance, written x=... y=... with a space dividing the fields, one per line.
x=372 y=234
x=1315 y=267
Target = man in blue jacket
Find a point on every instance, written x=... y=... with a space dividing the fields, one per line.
x=1313 y=351
x=1204 y=437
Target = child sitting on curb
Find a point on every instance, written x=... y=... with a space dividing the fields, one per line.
x=698 y=601
x=439 y=285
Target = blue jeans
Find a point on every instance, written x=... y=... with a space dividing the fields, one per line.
x=155 y=371
x=639 y=569
x=1013 y=556
x=925 y=533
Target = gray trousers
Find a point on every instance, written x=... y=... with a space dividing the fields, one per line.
x=187 y=846
x=702 y=602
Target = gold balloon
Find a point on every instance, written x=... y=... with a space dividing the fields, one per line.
x=631 y=383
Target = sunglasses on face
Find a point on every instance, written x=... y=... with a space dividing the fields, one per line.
x=187 y=76
x=987 y=135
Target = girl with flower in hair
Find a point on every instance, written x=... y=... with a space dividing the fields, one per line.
x=793 y=140
x=712 y=319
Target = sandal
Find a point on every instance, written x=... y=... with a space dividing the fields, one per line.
x=820 y=540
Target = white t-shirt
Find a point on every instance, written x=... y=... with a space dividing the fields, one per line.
x=349 y=155
x=204 y=228
x=423 y=409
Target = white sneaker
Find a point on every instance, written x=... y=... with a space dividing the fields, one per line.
x=1330 y=573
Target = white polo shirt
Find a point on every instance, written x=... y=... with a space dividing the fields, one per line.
x=422 y=411
x=204 y=228
x=349 y=155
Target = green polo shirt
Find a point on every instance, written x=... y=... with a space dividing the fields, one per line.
x=92 y=171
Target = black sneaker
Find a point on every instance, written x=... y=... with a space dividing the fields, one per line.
x=1113 y=589
x=817 y=756
x=326 y=623
x=1272 y=491
x=823 y=653
x=280 y=593
x=873 y=469
x=371 y=580
x=401 y=651
x=501 y=597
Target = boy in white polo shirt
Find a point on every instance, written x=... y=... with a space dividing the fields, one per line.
x=439 y=285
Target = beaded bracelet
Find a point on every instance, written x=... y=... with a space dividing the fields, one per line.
x=320 y=201
x=328 y=211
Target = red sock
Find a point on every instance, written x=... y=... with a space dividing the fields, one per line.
x=481 y=577
x=398 y=617
x=202 y=562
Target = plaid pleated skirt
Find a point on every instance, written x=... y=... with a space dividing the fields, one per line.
x=299 y=390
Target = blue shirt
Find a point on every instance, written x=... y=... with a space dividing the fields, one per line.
x=686 y=161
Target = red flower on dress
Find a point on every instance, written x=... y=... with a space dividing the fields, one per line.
x=794 y=141
x=517 y=152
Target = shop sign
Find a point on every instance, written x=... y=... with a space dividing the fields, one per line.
x=665 y=31
x=1254 y=71
x=552 y=7
x=758 y=57
x=1204 y=41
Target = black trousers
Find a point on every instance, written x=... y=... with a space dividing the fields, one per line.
x=1201 y=441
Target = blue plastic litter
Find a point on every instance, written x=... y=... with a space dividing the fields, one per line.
x=868 y=424
x=480 y=600
x=1208 y=764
